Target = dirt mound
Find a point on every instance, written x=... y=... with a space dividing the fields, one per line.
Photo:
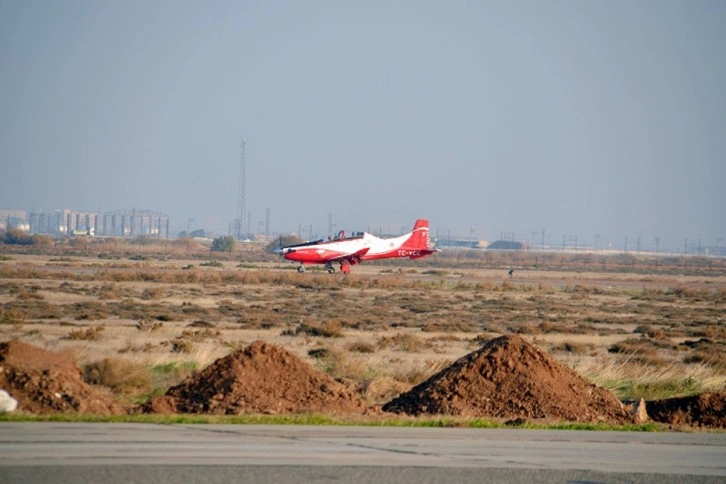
x=511 y=379
x=704 y=410
x=261 y=378
x=45 y=382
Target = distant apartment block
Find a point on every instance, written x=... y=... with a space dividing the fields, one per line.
x=9 y=217
x=63 y=222
x=136 y=223
x=67 y=222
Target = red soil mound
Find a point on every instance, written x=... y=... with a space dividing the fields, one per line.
x=45 y=382
x=510 y=378
x=704 y=410
x=262 y=378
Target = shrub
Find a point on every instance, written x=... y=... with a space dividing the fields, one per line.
x=91 y=334
x=574 y=347
x=152 y=293
x=329 y=329
x=403 y=342
x=13 y=236
x=181 y=346
x=223 y=244
x=318 y=353
x=119 y=375
x=146 y=325
x=11 y=316
x=361 y=347
x=213 y=263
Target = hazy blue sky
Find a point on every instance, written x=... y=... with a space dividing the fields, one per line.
x=578 y=117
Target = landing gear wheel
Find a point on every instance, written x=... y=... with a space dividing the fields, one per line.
x=301 y=268
x=329 y=267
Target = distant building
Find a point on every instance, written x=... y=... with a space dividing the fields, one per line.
x=63 y=222
x=9 y=217
x=506 y=245
x=461 y=243
x=135 y=223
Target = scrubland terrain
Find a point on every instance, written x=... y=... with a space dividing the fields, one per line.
x=140 y=316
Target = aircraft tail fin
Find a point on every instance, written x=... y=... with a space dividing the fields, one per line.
x=419 y=239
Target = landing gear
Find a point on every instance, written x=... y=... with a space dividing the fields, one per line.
x=301 y=268
x=329 y=267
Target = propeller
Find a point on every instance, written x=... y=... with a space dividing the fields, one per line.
x=281 y=251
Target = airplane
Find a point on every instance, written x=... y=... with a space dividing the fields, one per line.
x=360 y=246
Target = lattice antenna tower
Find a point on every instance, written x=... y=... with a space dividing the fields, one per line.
x=242 y=193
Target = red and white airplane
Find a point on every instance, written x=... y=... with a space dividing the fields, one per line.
x=360 y=246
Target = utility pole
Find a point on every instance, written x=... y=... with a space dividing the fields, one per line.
x=657 y=243
x=267 y=221
x=242 y=192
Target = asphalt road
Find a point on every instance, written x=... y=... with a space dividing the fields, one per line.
x=79 y=452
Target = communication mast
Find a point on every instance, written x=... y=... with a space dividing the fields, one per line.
x=242 y=194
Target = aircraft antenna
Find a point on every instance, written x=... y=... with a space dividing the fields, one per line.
x=242 y=193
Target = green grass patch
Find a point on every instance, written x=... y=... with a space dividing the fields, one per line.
x=627 y=389
x=312 y=419
x=646 y=427
x=173 y=367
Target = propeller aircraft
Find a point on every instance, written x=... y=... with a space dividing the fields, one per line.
x=360 y=246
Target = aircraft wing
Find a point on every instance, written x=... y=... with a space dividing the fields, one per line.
x=354 y=256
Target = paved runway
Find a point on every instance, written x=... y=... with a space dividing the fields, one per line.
x=79 y=452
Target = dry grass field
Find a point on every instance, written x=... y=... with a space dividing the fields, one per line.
x=140 y=316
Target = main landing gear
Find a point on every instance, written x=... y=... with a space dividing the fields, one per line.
x=344 y=267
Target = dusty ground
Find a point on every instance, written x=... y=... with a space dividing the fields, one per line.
x=380 y=330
